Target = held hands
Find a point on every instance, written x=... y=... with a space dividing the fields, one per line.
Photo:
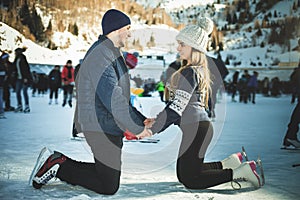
x=145 y=133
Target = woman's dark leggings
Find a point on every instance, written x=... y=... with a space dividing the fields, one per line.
x=192 y=172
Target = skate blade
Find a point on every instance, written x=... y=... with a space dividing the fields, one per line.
x=290 y=148
x=39 y=162
x=244 y=153
x=262 y=174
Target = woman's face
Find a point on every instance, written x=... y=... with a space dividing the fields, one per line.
x=184 y=51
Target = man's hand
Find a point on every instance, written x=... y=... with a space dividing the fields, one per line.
x=145 y=133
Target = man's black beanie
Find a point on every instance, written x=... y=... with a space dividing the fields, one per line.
x=113 y=20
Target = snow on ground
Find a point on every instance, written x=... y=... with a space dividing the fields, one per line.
x=149 y=169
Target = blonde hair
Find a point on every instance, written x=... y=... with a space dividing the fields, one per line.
x=199 y=64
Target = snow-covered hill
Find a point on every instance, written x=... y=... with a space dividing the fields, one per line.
x=12 y=39
x=243 y=47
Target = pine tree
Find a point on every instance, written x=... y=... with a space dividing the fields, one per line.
x=60 y=26
x=75 y=29
x=38 y=30
x=227 y=61
x=234 y=18
x=258 y=32
x=273 y=38
x=49 y=27
x=221 y=48
x=228 y=18
x=256 y=24
x=24 y=14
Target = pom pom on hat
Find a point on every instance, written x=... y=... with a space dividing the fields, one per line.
x=206 y=24
x=113 y=20
x=196 y=36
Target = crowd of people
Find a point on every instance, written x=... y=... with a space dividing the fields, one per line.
x=243 y=88
x=17 y=77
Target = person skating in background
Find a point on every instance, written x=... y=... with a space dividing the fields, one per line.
x=54 y=78
x=77 y=67
x=35 y=83
x=265 y=87
x=252 y=86
x=294 y=80
x=104 y=113
x=234 y=84
x=3 y=77
x=23 y=80
x=189 y=94
x=68 y=82
x=290 y=138
x=293 y=126
x=43 y=84
x=160 y=87
x=242 y=88
x=74 y=130
x=9 y=82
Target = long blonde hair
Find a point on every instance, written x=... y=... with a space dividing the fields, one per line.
x=199 y=64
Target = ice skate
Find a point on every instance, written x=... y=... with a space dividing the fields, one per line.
x=288 y=143
x=45 y=170
x=19 y=109
x=50 y=102
x=43 y=155
x=244 y=153
x=70 y=103
x=27 y=109
x=10 y=108
x=2 y=116
x=262 y=174
x=233 y=161
x=247 y=172
x=64 y=103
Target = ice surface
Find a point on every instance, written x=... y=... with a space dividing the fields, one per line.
x=149 y=169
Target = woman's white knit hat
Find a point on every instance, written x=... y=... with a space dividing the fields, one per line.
x=196 y=36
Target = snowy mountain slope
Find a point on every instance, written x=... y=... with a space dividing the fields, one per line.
x=12 y=39
x=243 y=46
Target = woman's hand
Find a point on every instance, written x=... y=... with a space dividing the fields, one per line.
x=145 y=133
x=149 y=122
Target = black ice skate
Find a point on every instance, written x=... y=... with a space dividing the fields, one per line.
x=19 y=109
x=291 y=144
x=44 y=171
x=27 y=109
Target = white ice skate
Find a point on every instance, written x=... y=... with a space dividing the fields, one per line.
x=233 y=161
x=247 y=172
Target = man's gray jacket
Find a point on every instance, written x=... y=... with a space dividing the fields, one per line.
x=103 y=93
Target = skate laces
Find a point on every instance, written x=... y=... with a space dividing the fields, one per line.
x=235 y=182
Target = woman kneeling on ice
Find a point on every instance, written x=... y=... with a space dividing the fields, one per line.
x=189 y=92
